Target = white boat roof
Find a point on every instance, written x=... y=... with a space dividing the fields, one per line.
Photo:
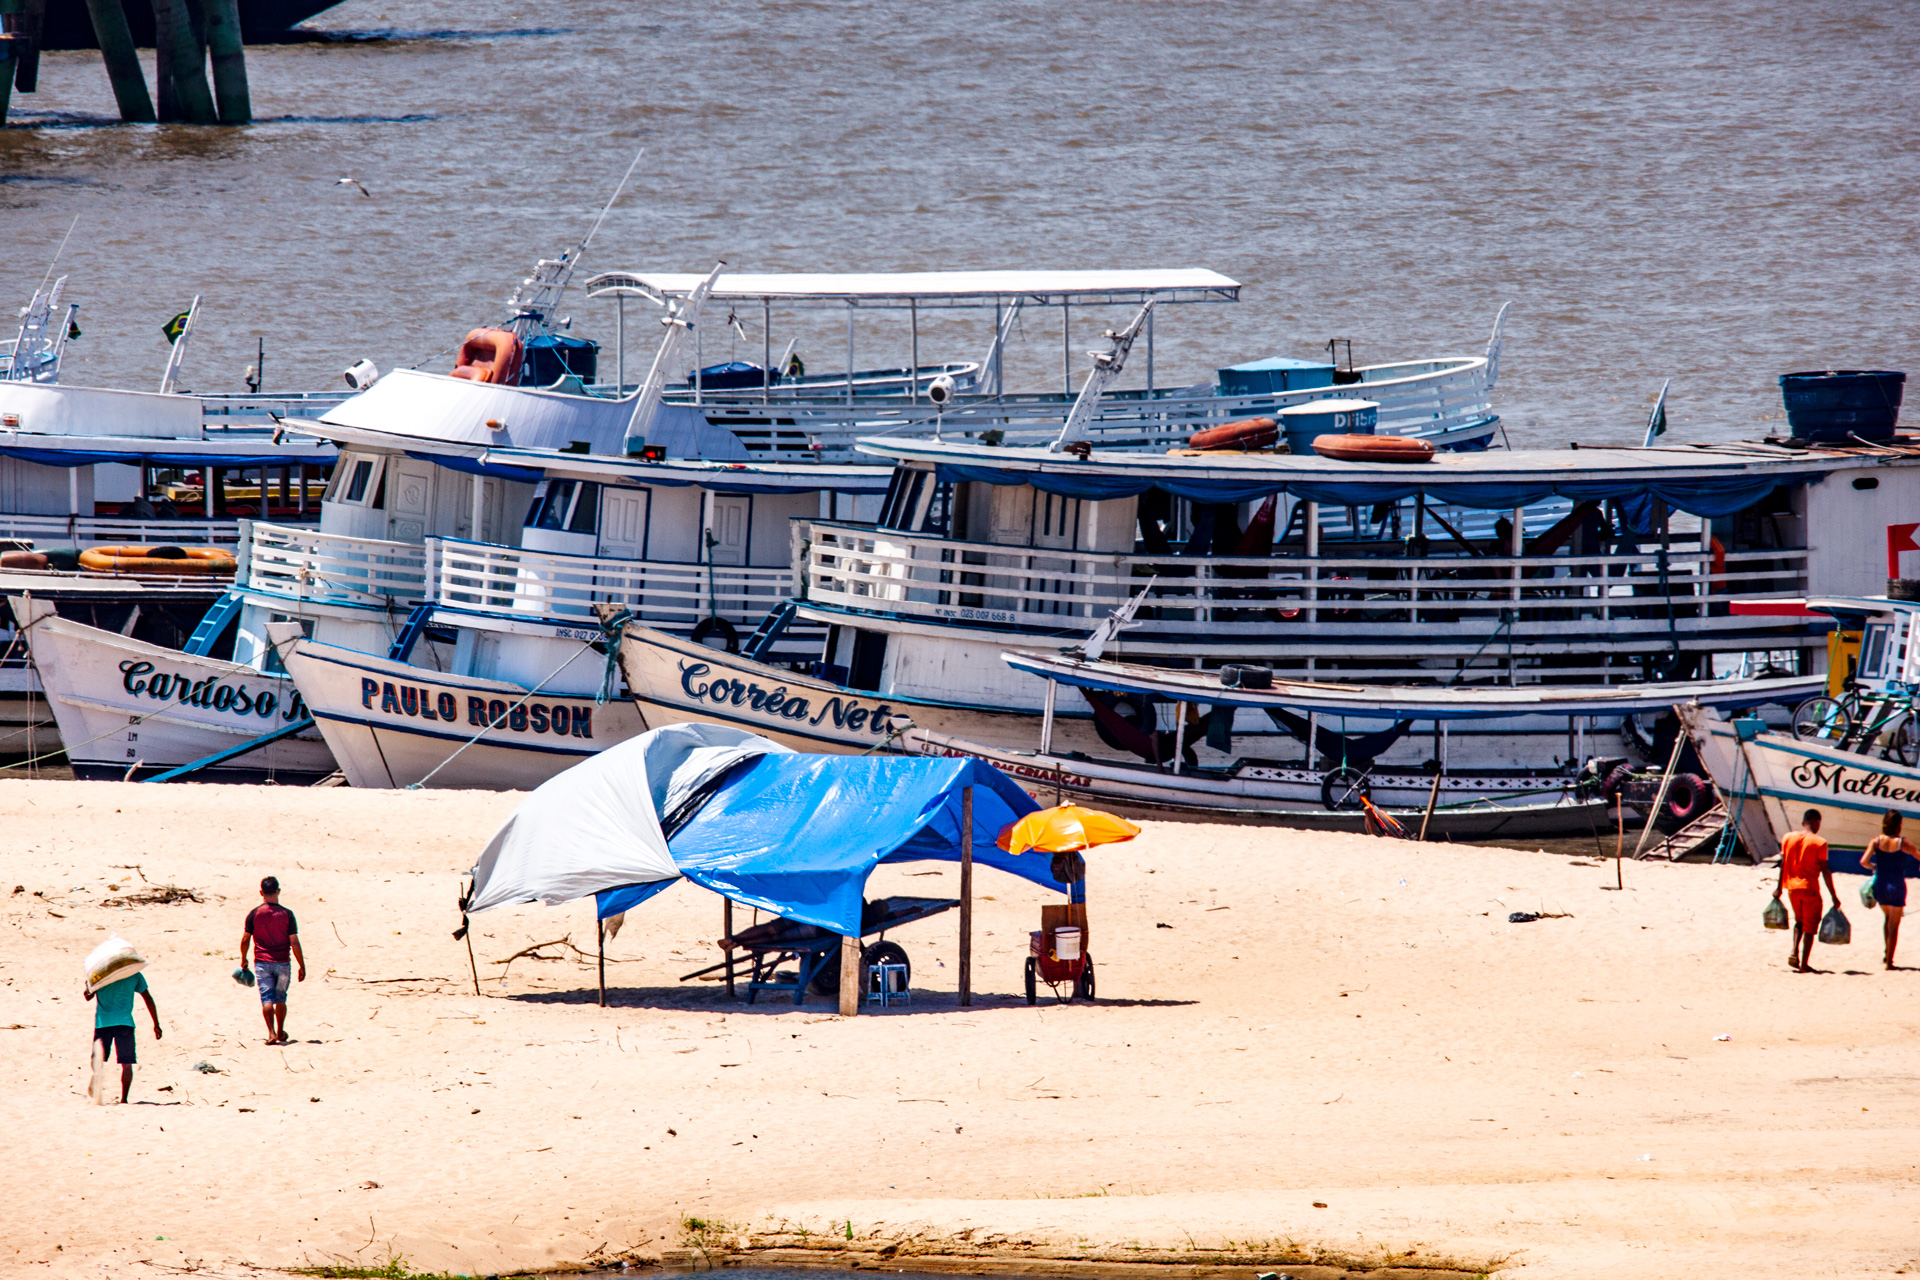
x=931 y=288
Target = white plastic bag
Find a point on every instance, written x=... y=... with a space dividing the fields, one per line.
x=112 y=961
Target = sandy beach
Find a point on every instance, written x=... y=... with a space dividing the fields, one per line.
x=1286 y=1021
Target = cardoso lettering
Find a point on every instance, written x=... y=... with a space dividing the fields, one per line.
x=416 y=703
x=139 y=678
x=1842 y=780
x=846 y=713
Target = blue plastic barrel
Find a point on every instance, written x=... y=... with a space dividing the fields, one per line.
x=1304 y=423
x=1274 y=375
x=1835 y=405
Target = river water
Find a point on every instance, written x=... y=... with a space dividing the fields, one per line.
x=1712 y=192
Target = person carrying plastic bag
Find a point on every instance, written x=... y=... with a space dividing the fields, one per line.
x=1803 y=862
x=1890 y=857
x=114 y=978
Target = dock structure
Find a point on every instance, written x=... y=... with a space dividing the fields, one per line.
x=186 y=37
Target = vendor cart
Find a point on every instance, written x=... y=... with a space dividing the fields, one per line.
x=1057 y=951
x=815 y=952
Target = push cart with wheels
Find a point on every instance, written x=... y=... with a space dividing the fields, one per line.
x=1057 y=951
x=815 y=952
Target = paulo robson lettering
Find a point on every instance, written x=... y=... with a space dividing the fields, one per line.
x=556 y=718
x=1841 y=780
x=212 y=692
x=847 y=713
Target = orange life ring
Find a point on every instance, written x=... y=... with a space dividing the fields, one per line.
x=1373 y=449
x=489 y=355
x=173 y=561
x=1248 y=433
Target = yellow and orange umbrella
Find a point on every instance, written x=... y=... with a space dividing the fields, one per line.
x=1065 y=827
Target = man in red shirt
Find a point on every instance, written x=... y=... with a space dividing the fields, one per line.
x=1803 y=861
x=274 y=935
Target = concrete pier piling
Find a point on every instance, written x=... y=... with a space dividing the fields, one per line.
x=123 y=60
x=180 y=62
x=229 y=61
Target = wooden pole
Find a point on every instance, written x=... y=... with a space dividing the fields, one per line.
x=600 y=929
x=9 y=56
x=123 y=60
x=966 y=895
x=229 y=56
x=726 y=931
x=1433 y=798
x=849 y=976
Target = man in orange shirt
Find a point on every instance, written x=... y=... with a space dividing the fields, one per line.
x=1803 y=861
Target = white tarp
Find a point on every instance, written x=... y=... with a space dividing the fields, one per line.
x=1179 y=284
x=597 y=825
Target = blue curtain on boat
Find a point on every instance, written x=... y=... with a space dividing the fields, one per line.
x=798 y=835
x=1702 y=495
x=156 y=458
x=474 y=467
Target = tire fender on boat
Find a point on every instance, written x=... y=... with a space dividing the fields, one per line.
x=1248 y=433
x=1373 y=449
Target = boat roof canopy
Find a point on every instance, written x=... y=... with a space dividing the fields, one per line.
x=882 y=289
x=1705 y=480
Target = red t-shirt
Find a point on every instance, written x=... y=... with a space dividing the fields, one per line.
x=272 y=927
x=1803 y=856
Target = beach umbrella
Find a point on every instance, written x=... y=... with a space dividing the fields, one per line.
x=1065 y=828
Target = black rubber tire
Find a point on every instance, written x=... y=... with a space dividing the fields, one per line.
x=1083 y=986
x=1343 y=787
x=1689 y=796
x=1033 y=984
x=827 y=981
x=717 y=626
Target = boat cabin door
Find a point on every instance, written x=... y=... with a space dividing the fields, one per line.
x=728 y=519
x=490 y=511
x=407 y=498
x=623 y=524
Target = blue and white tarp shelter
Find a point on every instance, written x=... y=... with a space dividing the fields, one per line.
x=796 y=835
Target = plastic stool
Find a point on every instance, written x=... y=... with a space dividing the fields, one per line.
x=887 y=984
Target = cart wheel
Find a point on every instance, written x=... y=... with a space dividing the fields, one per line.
x=1083 y=987
x=1033 y=989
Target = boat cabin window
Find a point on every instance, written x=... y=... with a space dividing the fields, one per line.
x=916 y=502
x=1873 y=651
x=568 y=506
x=357 y=481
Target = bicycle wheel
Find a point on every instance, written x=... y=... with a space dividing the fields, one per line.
x=1821 y=718
x=1903 y=743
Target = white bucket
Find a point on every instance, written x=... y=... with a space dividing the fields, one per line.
x=1066 y=942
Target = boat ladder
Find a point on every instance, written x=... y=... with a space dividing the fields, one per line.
x=214 y=623
x=768 y=633
x=409 y=636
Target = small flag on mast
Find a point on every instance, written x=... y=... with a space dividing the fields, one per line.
x=1657 y=420
x=176 y=326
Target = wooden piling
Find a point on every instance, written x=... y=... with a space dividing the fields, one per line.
x=9 y=47
x=123 y=61
x=966 y=895
x=849 y=976
x=229 y=62
x=28 y=22
x=180 y=65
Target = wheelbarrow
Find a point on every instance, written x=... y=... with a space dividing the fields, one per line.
x=815 y=952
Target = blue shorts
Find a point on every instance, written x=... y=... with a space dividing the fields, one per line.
x=271 y=977
x=115 y=1043
x=1890 y=893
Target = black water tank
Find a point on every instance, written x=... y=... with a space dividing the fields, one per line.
x=1834 y=405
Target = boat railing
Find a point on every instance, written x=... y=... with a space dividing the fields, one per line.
x=1595 y=600
x=253 y=409
x=51 y=532
x=1428 y=397
x=546 y=586
x=310 y=567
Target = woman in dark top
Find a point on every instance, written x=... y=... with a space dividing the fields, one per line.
x=1890 y=856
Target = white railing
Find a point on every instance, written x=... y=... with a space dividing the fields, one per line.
x=1447 y=400
x=1604 y=602
x=306 y=566
x=543 y=585
x=49 y=532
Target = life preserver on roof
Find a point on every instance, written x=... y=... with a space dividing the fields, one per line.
x=490 y=355
x=174 y=561
x=1248 y=433
x=1373 y=449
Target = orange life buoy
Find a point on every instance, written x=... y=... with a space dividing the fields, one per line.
x=1373 y=449
x=173 y=561
x=1248 y=433
x=489 y=355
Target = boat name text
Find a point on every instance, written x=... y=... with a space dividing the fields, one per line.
x=1816 y=774
x=212 y=692
x=555 y=718
x=847 y=713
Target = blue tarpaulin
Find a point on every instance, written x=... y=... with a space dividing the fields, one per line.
x=798 y=835
x=160 y=457
x=1709 y=496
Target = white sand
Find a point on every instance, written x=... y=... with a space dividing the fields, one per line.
x=1328 y=1019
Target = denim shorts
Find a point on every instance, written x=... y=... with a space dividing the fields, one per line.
x=271 y=977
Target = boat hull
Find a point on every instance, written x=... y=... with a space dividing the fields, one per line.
x=675 y=681
x=1852 y=792
x=391 y=724
x=129 y=709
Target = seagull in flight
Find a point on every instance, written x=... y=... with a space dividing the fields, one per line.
x=354 y=182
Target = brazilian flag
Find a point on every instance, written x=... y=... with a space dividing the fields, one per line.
x=175 y=327
x=73 y=329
